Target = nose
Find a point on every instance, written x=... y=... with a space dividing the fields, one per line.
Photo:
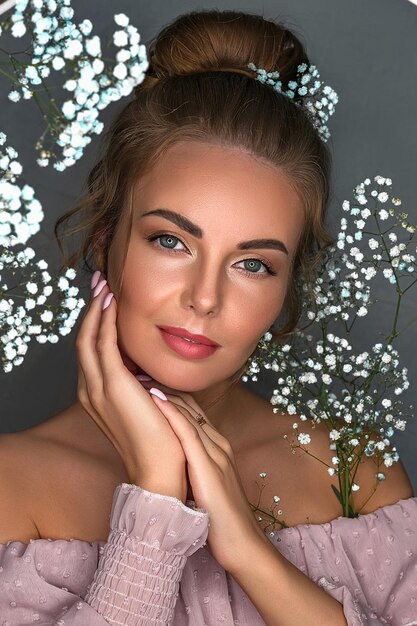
x=203 y=291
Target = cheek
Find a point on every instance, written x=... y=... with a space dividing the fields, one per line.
x=254 y=315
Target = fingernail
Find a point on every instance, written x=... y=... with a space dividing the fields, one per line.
x=143 y=377
x=107 y=300
x=158 y=393
x=94 y=278
x=99 y=288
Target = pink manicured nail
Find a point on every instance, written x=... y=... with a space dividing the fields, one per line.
x=158 y=393
x=107 y=300
x=94 y=278
x=143 y=377
x=99 y=287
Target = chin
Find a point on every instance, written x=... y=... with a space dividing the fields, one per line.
x=186 y=381
x=187 y=384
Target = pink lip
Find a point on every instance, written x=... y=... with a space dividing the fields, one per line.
x=186 y=348
x=183 y=332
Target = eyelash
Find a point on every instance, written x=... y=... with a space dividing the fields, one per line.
x=268 y=267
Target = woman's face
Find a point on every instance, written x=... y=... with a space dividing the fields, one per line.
x=214 y=233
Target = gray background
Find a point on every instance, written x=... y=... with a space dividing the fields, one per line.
x=364 y=50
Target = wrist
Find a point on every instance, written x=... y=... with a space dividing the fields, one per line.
x=162 y=487
x=248 y=551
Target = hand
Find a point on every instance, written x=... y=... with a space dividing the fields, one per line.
x=214 y=479
x=123 y=409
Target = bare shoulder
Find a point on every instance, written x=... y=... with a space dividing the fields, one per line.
x=298 y=474
x=57 y=481
x=372 y=494
x=395 y=486
x=16 y=522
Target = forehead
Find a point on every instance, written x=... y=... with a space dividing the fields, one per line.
x=210 y=182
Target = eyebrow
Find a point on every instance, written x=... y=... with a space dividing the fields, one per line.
x=185 y=224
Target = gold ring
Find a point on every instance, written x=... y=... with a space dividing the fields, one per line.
x=200 y=419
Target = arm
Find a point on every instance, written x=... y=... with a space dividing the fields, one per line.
x=138 y=573
x=281 y=593
x=284 y=596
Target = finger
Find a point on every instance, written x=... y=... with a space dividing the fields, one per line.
x=208 y=439
x=198 y=447
x=207 y=429
x=184 y=399
x=86 y=343
x=110 y=358
x=108 y=352
x=208 y=432
x=169 y=390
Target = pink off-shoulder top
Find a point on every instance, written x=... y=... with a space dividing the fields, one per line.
x=154 y=570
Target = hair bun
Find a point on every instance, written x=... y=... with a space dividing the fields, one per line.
x=203 y=41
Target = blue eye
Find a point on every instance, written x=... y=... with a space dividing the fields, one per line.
x=168 y=241
x=252 y=266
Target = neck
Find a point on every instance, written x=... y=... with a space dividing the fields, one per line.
x=218 y=402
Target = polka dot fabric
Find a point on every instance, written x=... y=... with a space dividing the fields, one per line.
x=154 y=569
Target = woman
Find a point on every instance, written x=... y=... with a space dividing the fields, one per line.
x=133 y=506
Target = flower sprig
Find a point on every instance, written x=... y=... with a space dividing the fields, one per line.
x=58 y=44
x=35 y=317
x=321 y=376
x=20 y=212
x=28 y=293
x=274 y=516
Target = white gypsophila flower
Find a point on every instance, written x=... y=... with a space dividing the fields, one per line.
x=18 y=321
x=330 y=360
x=369 y=272
x=355 y=487
x=388 y=460
x=93 y=84
x=46 y=316
x=342 y=296
x=20 y=212
x=304 y=438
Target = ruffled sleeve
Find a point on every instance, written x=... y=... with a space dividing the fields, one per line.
x=134 y=581
x=357 y=612
x=137 y=580
x=368 y=563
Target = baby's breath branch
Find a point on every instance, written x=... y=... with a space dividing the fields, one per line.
x=274 y=519
x=327 y=378
x=95 y=81
x=256 y=509
x=294 y=446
